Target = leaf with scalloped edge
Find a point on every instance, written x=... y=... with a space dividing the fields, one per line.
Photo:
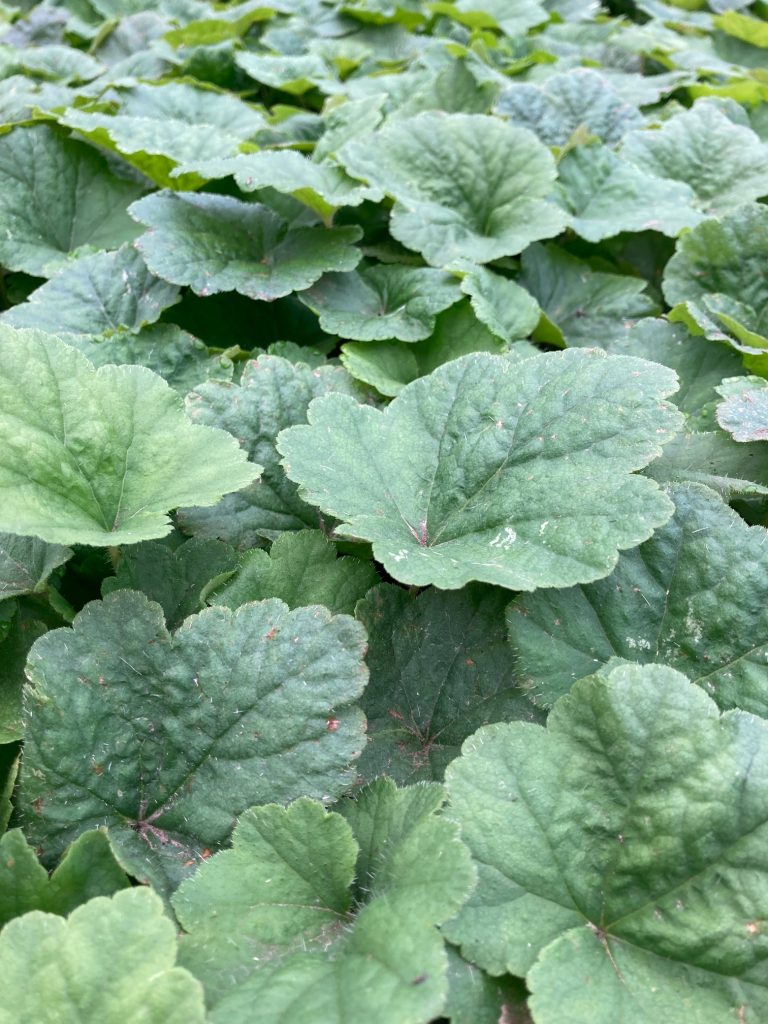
x=236 y=707
x=610 y=842
x=465 y=185
x=215 y=243
x=514 y=473
x=87 y=869
x=744 y=411
x=110 y=960
x=309 y=932
x=693 y=596
x=99 y=456
x=57 y=196
x=506 y=309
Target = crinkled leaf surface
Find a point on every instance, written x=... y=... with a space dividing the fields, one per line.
x=607 y=194
x=693 y=597
x=515 y=473
x=174 y=577
x=724 y=163
x=744 y=413
x=273 y=393
x=304 y=935
x=99 y=456
x=217 y=244
x=56 y=196
x=111 y=960
x=633 y=825
x=506 y=309
x=723 y=259
x=440 y=668
x=582 y=97
x=382 y=301
x=26 y=563
x=301 y=569
x=231 y=710
x=583 y=306
x=96 y=295
x=465 y=185
x=714 y=459
x=87 y=869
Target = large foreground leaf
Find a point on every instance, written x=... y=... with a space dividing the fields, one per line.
x=694 y=596
x=465 y=185
x=57 y=195
x=625 y=846
x=111 y=960
x=235 y=708
x=99 y=456
x=515 y=473
x=307 y=932
x=218 y=244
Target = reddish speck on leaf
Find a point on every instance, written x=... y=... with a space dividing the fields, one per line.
x=332 y=724
x=38 y=805
x=271 y=634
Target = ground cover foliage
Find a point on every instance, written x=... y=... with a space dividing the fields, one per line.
x=384 y=490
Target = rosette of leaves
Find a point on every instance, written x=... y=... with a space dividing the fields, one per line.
x=305 y=907
x=609 y=843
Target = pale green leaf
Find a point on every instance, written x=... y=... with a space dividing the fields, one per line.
x=724 y=163
x=714 y=459
x=440 y=668
x=515 y=473
x=217 y=244
x=111 y=960
x=506 y=309
x=692 y=597
x=87 y=869
x=465 y=185
x=289 y=73
x=301 y=569
x=57 y=196
x=272 y=394
x=382 y=301
x=744 y=413
x=99 y=456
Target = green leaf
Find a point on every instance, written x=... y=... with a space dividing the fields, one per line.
x=440 y=668
x=96 y=295
x=631 y=827
x=21 y=631
x=693 y=597
x=722 y=259
x=218 y=244
x=322 y=186
x=474 y=997
x=579 y=99
x=465 y=185
x=390 y=365
x=99 y=456
x=382 y=301
x=724 y=163
x=292 y=74
x=514 y=17
x=273 y=393
x=744 y=413
x=233 y=709
x=9 y=763
x=506 y=309
x=179 y=358
x=87 y=869
x=607 y=195
x=304 y=935
x=714 y=459
x=112 y=959
x=26 y=563
x=583 y=305
x=515 y=473
x=173 y=577
x=56 y=197
x=301 y=569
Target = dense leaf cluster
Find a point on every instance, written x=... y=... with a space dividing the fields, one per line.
x=384 y=490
